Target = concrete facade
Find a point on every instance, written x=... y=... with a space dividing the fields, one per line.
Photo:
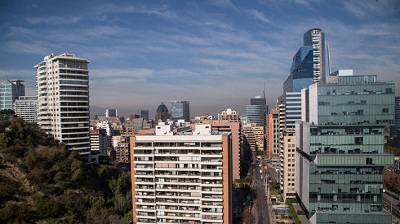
x=181 y=178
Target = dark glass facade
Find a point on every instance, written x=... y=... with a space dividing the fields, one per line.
x=257 y=111
x=9 y=92
x=340 y=151
x=180 y=110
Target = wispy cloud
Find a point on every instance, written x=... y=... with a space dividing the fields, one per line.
x=306 y=3
x=372 y=8
x=54 y=20
x=160 y=10
x=23 y=47
x=259 y=16
x=223 y=3
x=357 y=8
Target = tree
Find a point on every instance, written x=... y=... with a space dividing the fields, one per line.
x=4 y=140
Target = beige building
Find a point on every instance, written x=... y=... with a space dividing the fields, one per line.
x=229 y=115
x=272 y=135
x=234 y=129
x=181 y=177
x=121 y=145
x=254 y=135
x=287 y=157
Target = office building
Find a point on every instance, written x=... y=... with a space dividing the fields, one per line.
x=302 y=71
x=340 y=149
x=180 y=110
x=257 y=110
x=162 y=113
x=111 y=112
x=144 y=114
x=26 y=108
x=321 y=60
x=311 y=62
x=290 y=105
x=181 y=177
x=63 y=100
x=9 y=92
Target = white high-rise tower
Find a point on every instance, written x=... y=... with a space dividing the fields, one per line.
x=62 y=83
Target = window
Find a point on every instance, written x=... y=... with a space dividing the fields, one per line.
x=369 y=161
x=385 y=110
x=358 y=140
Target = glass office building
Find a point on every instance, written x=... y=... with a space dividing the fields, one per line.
x=9 y=92
x=301 y=72
x=310 y=63
x=321 y=62
x=340 y=150
x=257 y=111
x=144 y=114
x=180 y=110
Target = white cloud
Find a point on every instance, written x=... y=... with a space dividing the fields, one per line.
x=54 y=20
x=372 y=8
x=22 y=47
x=259 y=16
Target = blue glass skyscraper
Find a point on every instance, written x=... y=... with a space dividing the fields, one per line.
x=9 y=92
x=301 y=72
x=321 y=62
x=310 y=63
x=257 y=110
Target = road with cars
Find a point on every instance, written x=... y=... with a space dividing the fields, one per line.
x=260 y=208
x=391 y=204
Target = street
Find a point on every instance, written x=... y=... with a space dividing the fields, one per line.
x=391 y=205
x=260 y=208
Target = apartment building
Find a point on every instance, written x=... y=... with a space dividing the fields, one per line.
x=63 y=100
x=287 y=163
x=181 y=177
x=26 y=108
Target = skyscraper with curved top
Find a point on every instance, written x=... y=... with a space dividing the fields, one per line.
x=310 y=63
x=321 y=64
x=162 y=113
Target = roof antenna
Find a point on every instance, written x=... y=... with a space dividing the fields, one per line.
x=264 y=90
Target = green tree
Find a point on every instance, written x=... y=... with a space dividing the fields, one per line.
x=4 y=139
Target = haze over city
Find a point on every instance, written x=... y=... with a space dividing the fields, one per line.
x=215 y=54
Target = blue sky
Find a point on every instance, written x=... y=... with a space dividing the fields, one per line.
x=216 y=54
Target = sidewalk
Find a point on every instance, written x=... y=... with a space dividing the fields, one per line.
x=303 y=218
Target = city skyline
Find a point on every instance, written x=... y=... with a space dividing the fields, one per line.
x=215 y=54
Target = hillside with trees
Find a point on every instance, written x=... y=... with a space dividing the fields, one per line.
x=41 y=182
